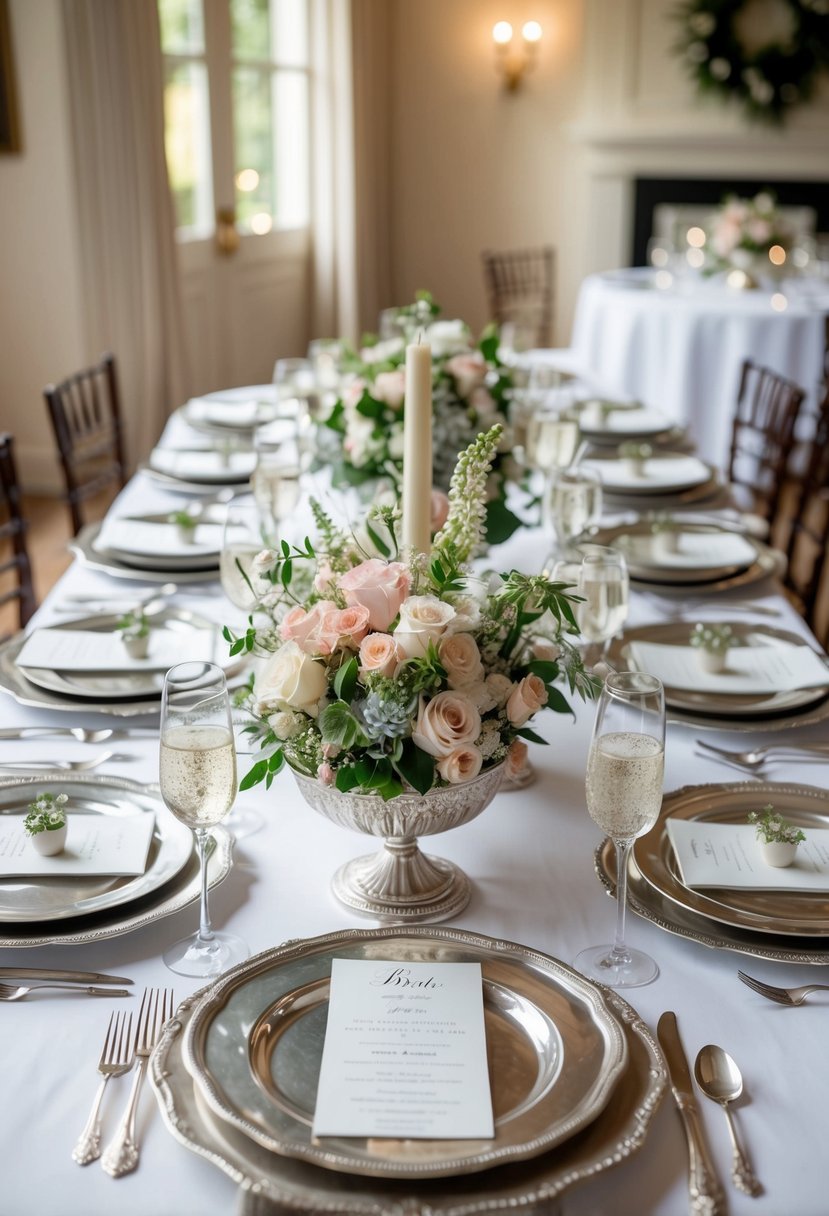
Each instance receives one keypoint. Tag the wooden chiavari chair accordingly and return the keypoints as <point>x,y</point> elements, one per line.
<point>13,537</point>
<point>520,289</point>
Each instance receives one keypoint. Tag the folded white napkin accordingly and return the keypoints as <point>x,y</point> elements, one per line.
<point>204,466</point>
<point>86,650</point>
<point>764,665</point>
<point>157,539</point>
<point>660,473</point>
<point>696,550</point>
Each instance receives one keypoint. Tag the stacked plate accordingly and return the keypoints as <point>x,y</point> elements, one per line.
<point>231,410</point>
<point>734,699</point>
<point>575,1079</point>
<point>666,479</point>
<point>611,422</point>
<point>151,568</point>
<point>156,542</point>
<point>678,555</point>
<point>74,911</point>
<point>193,469</point>
<point>777,925</point>
<point>124,690</point>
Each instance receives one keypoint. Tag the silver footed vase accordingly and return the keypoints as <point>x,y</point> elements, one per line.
<point>400,884</point>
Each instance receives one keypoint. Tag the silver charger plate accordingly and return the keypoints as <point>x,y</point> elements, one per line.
<point>178,892</point>
<point>654,572</point>
<point>255,1043</point>
<point>645,901</point>
<point>790,913</point>
<point>41,900</point>
<point>83,549</point>
<point>731,707</point>
<point>617,1133</point>
<point>116,685</point>
<point>765,566</point>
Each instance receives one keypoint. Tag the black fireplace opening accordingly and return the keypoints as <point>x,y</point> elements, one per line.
<point>650,192</point>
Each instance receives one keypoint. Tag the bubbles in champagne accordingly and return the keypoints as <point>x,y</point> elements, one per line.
<point>624,783</point>
<point>197,773</point>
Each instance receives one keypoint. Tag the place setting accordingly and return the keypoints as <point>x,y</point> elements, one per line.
<point>232,410</point>
<point>638,473</point>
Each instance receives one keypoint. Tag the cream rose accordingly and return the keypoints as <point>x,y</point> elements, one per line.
<point>423,619</point>
<point>516,762</point>
<point>462,764</point>
<point>286,724</point>
<point>468,372</point>
<point>378,653</point>
<point>467,615</point>
<point>390,387</point>
<point>291,680</point>
<point>379,586</point>
<point>447,338</point>
<point>447,722</point>
<point>461,658</point>
<point>500,687</point>
<point>528,696</point>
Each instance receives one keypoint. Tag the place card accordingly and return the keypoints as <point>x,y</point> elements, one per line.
<point>95,845</point>
<point>87,650</point>
<point>730,855</point>
<point>405,1053</point>
<point>764,665</point>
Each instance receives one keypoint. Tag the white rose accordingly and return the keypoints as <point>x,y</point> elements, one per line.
<point>390,387</point>
<point>382,352</point>
<point>447,338</point>
<point>461,658</point>
<point>500,687</point>
<point>263,563</point>
<point>447,722</point>
<point>285,724</point>
<point>467,616</point>
<point>423,619</point>
<point>291,680</point>
<point>396,443</point>
<point>462,764</point>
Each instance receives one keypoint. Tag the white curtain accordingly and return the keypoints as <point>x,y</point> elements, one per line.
<point>350,132</point>
<point>131,289</point>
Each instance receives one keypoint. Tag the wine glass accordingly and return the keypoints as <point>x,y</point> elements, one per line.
<point>624,794</point>
<point>275,479</point>
<point>245,534</point>
<point>605,589</point>
<point>197,774</point>
<point>572,504</point>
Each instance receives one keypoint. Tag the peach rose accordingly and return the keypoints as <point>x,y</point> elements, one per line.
<point>526,699</point>
<point>483,403</point>
<point>390,387</point>
<point>447,722</point>
<point>516,761</point>
<point>378,653</point>
<point>305,628</point>
<point>326,774</point>
<point>440,510</point>
<point>462,764</point>
<point>423,619</point>
<point>379,586</point>
<point>291,680</point>
<point>468,371</point>
<point>461,659</point>
<point>324,577</point>
<point>345,628</point>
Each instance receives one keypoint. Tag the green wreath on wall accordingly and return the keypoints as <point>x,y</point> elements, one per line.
<point>768,82</point>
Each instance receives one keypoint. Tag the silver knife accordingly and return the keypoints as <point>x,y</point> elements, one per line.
<point>706,1195</point>
<point>54,973</point>
<point>38,732</point>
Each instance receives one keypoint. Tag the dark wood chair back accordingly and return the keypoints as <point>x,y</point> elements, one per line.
<point>85,410</point>
<point>808,541</point>
<point>519,285</point>
<point>13,537</point>
<point>762,435</point>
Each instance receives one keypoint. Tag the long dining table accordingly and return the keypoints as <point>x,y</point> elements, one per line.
<point>530,858</point>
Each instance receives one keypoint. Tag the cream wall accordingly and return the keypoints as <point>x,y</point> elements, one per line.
<point>40,305</point>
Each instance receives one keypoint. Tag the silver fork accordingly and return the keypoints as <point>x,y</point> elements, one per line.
<point>756,757</point>
<point>16,992</point>
<point>783,996</point>
<point>116,1059</point>
<point>65,766</point>
<point>121,1155</point>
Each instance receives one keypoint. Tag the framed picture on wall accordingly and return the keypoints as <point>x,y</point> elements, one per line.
<point>9,121</point>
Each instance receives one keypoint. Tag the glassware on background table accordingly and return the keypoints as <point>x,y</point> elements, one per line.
<point>625,770</point>
<point>515,339</point>
<point>275,480</point>
<point>572,504</point>
<point>247,532</point>
<point>605,587</point>
<point>324,355</point>
<point>197,776</point>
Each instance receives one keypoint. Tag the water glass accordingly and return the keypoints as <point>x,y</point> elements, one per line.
<point>605,588</point>
<point>275,480</point>
<point>247,531</point>
<point>572,504</point>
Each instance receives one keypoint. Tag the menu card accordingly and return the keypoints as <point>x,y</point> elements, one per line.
<point>86,650</point>
<point>730,855</point>
<point>405,1053</point>
<point>95,844</point>
<point>764,665</point>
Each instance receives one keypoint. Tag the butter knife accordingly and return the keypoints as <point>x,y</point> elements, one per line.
<point>706,1195</point>
<point>54,973</point>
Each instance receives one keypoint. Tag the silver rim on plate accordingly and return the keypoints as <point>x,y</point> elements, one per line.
<point>82,548</point>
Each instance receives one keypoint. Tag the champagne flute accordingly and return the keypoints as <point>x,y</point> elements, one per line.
<point>625,768</point>
<point>605,587</point>
<point>275,479</point>
<point>197,774</point>
<point>245,535</point>
<point>572,504</point>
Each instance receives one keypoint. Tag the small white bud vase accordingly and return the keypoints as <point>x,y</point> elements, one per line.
<point>185,533</point>
<point>48,844</point>
<point>635,465</point>
<point>666,542</point>
<point>778,853</point>
<point>712,660</point>
<point>137,648</point>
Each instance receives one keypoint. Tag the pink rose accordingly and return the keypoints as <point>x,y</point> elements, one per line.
<point>483,403</point>
<point>462,764</point>
<point>390,387</point>
<point>526,699</point>
<point>447,722</point>
<point>516,761</point>
<point>440,510</point>
<point>468,371</point>
<point>379,586</point>
<point>305,628</point>
<point>352,395</point>
<point>461,659</point>
<point>324,577</point>
<point>378,653</point>
<point>344,628</point>
<point>326,774</point>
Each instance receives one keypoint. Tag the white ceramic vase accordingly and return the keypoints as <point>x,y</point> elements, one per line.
<point>48,844</point>
<point>778,853</point>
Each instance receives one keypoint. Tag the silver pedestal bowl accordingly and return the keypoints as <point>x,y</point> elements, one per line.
<point>400,884</point>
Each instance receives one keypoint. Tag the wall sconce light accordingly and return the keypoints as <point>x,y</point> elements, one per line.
<point>513,59</point>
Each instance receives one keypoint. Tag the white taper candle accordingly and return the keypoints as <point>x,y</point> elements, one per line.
<point>417,448</point>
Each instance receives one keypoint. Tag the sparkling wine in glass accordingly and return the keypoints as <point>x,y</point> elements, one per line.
<point>197,775</point>
<point>572,504</point>
<point>245,534</point>
<point>625,769</point>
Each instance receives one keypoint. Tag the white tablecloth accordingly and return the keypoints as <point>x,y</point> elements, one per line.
<point>530,858</point>
<point>680,350</point>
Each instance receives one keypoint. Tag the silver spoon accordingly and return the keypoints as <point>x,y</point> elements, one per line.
<point>66,766</point>
<point>720,1079</point>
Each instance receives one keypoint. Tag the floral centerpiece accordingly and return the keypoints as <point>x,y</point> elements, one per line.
<point>749,235</point>
<point>400,679</point>
<point>362,433</point>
